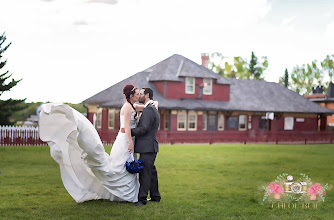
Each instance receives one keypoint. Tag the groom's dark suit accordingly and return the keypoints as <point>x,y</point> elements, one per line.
<point>147,145</point>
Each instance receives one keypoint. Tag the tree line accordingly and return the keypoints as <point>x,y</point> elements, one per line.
<point>13,110</point>
<point>302,80</point>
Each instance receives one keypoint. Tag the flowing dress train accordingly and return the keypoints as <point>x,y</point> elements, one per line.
<point>87,171</point>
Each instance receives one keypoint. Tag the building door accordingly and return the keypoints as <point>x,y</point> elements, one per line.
<point>212,122</point>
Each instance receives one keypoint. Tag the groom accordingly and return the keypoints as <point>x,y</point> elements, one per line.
<point>147,145</point>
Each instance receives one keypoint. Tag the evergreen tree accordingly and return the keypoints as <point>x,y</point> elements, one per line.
<point>286,78</point>
<point>9,106</point>
<point>256,68</point>
<point>252,65</point>
<point>239,68</point>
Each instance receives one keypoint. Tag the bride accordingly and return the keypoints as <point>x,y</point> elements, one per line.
<point>87,171</point>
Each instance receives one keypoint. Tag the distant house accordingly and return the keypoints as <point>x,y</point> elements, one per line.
<point>197,105</point>
<point>326,100</point>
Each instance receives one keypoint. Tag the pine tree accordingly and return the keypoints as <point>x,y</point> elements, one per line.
<point>9,106</point>
<point>252,65</point>
<point>256,68</point>
<point>286,78</point>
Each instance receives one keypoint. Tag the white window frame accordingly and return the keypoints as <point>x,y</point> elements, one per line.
<point>190,84</point>
<point>207,86</point>
<point>190,114</point>
<point>99,118</point>
<point>179,120</point>
<point>288,123</point>
<point>205,121</point>
<point>111,118</point>
<point>166,120</point>
<point>221,122</point>
<point>245,121</point>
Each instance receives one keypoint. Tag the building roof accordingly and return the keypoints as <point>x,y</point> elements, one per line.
<point>177,66</point>
<point>245,95</point>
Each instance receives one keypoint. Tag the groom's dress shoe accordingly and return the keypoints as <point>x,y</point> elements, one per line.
<point>140,203</point>
<point>154,200</point>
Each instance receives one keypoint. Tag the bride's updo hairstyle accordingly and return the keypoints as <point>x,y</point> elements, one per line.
<point>129,90</point>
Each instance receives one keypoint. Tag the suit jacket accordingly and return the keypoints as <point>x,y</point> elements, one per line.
<point>146,131</point>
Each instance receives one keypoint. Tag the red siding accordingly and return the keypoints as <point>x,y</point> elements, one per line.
<point>173,122</point>
<point>176,90</point>
<point>309,124</point>
<point>90,116</point>
<point>199,122</point>
<point>160,86</point>
<point>303,132</point>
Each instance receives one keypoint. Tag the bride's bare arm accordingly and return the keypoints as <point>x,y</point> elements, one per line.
<point>138,107</point>
<point>127,118</point>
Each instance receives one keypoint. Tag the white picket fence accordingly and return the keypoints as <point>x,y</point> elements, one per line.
<point>19,135</point>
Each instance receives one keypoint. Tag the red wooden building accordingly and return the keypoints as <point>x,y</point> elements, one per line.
<point>197,105</point>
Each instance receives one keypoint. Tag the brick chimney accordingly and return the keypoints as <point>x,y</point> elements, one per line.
<point>331,90</point>
<point>205,60</point>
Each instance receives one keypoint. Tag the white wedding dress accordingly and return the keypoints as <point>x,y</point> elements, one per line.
<point>87,171</point>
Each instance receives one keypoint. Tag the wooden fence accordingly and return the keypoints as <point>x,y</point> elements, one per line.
<point>28,135</point>
<point>19,136</point>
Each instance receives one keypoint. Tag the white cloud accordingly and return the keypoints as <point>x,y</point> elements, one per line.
<point>112,2</point>
<point>70,50</point>
<point>288,21</point>
<point>330,29</point>
<point>287,24</point>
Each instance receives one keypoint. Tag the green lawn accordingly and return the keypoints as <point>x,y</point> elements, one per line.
<point>196,182</point>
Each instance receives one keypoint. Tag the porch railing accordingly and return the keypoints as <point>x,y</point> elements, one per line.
<point>247,137</point>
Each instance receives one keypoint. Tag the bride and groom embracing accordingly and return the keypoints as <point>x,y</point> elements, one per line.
<point>87,171</point>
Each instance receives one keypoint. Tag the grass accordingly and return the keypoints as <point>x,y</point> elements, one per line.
<point>196,182</point>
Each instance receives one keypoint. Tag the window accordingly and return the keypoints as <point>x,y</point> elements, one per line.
<point>249,122</point>
<point>181,120</point>
<point>212,121</point>
<point>242,122</point>
<point>288,123</point>
<point>232,122</point>
<point>205,121</point>
<point>192,121</point>
<point>263,123</point>
<point>190,85</point>
<point>207,90</point>
<point>111,119</point>
<point>99,118</point>
<point>166,121</point>
<point>221,121</point>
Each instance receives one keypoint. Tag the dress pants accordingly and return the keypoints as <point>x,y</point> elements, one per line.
<point>148,178</point>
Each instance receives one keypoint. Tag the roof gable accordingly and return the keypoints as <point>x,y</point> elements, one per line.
<point>177,66</point>
<point>245,95</point>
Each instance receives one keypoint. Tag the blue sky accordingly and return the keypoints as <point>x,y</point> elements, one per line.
<point>69,50</point>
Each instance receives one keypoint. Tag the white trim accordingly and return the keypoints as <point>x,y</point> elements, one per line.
<point>207,85</point>
<point>192,113</point>
<point>288,123</point>
<point>205,121</point>
<point>245,122</point>
<point>180,67</point>
<point>221,121</point>
<point>166,120</point>
<point>188,84</point>
<point>99,118</point>
<point>183,120</point>
<point>111,112</point>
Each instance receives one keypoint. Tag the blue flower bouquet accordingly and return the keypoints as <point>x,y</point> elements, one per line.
<point>135,166</point>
